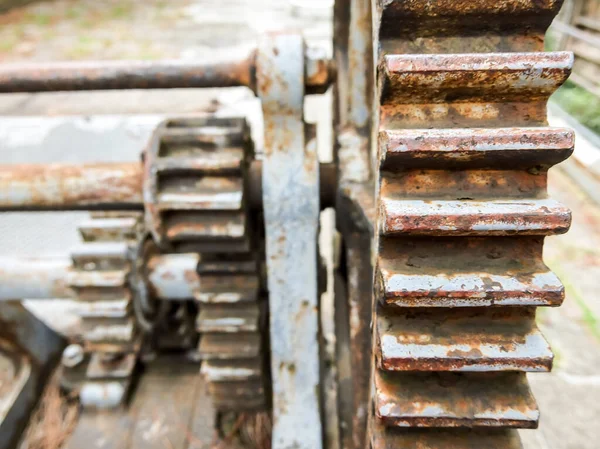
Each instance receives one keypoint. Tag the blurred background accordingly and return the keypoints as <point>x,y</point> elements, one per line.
<point>113,126</point>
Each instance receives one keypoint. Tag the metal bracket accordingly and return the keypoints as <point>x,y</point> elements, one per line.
<point>291,207</point>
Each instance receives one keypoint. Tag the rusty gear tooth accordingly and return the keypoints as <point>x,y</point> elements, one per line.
<point>186,227</point>
<point>485,78</point>
<point>440,26</point>
<point>461,340</point>
<point>425,272</point>
<point>109,229</point>
<point>502,148</point>
<point>454,400</point>
<point>473,218</point>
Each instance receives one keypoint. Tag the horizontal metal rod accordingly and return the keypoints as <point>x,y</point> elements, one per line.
<point>34,278</point>
<point>174,276</point>
<point>111,75</point>
<point>106,186</point>
<point>112,186</point>
<point>170,277</point>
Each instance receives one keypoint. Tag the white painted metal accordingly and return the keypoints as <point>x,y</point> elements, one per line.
<point>291,208</point>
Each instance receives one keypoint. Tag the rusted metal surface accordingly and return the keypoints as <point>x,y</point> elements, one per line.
<point>228,371</point>
<point>291,209</point>
<point>174,276</point>
<point>319,70</point>
<point>108,228</point>
<point>462,212</point>
<point>499,339</point>
<point>489,90</point>
<point>454,400</point>
<point>68,186</point>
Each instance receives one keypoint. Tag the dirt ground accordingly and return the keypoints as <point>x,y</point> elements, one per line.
<point>569,397</point>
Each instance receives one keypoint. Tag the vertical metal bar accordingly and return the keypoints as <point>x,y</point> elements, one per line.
<point>341,31</point>
<point>291,206</point>
<point>353,207</point>
<point>360,56</point>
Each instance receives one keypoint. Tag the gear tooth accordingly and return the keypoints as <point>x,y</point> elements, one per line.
<point>231,371</point>
<point>505,148</point>
<point>496,271</point>
<point>462,211</point>
<point>110,228</point>
<point>454,400</point>
<point>222,346</point>
<point>229,318</point>
<point>461,340</point>
<point>472,218</point>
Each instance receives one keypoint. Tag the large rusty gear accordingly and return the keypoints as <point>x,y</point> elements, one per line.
<point>462,212</point>
<point>197,202</point>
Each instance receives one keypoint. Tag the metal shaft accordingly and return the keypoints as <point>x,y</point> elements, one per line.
<point>111,75</point>
<point>34,278</point>
<point>170,277</point>
<point>114,186</point>
<point>107,186</point>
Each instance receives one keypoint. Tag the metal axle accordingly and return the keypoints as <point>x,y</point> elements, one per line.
<point>106,186</point>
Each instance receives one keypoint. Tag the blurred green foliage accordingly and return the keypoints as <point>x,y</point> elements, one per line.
<point>581,104</point>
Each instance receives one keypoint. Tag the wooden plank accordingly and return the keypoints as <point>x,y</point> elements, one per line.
<point>165,401</point>
<point>203,420</point>
<point>102,430</point>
